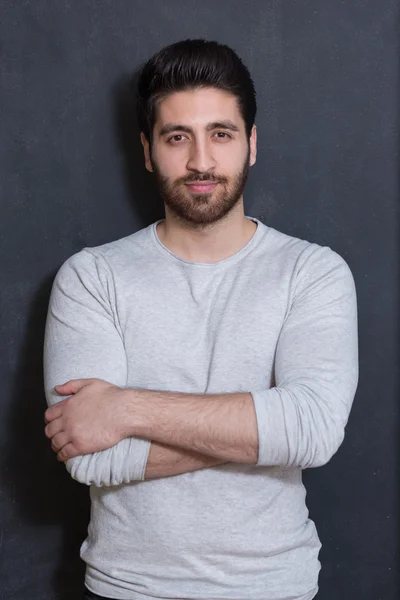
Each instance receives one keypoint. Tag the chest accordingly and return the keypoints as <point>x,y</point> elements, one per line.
<point>209,334</point>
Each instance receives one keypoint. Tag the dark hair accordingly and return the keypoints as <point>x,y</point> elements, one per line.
<point>191,64</point>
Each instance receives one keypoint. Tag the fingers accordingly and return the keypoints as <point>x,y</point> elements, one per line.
<point>59,441</point>
<point>67,452</point>
<point>66,389</point>
<point>54,412</point>
<point>73,386</point>
<point>53,428</point>
<point>58,437</point>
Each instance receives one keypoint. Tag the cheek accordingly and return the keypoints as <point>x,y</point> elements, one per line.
<point>171,164</point>
<point>229,166</point>
<point>230,157</point>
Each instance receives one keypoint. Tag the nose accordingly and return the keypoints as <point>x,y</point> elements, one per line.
<point>200,158</point>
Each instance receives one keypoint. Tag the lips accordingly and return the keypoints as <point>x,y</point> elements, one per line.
<point>201,187</point>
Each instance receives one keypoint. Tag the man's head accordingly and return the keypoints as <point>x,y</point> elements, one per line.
<point>196,108</point>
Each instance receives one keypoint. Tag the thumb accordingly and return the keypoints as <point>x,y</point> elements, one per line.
<point>71,387</point>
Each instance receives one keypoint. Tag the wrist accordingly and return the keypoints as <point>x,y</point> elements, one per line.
<point>134,412</point>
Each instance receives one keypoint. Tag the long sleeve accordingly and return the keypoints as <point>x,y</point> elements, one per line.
<point>83,340</point>
<point>301,420</point>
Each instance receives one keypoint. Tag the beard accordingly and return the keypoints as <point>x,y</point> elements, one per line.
<point>202,208</point>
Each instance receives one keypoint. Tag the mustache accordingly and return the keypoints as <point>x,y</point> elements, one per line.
<point>203,177</point>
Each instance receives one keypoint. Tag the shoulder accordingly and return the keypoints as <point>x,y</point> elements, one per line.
<point>306,263</point>
<point>304,254</point>
<point>106,259</point>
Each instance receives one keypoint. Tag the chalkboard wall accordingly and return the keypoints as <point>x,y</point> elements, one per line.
<point>72,175</point>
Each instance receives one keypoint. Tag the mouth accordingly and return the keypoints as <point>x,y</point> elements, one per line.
<point>201,187</point>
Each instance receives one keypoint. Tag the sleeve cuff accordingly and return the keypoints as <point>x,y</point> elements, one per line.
<point>272,442</point>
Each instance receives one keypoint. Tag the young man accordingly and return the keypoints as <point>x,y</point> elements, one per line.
<point>200,363</point>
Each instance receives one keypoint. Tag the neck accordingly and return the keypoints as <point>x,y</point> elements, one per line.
<point>206,243</point>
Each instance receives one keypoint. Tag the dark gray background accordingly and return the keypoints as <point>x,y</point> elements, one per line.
<point>72,175</point>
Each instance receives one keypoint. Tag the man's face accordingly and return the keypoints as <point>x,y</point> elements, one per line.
<point>200,154</point>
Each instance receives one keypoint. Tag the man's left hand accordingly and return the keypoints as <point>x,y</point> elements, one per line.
<point>93,418</point>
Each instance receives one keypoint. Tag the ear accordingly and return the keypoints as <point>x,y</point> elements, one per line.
<point>253,145</point>
<point>146,148</point>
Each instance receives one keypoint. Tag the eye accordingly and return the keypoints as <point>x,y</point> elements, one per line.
<point>174,140</point>
<point>222,135</point>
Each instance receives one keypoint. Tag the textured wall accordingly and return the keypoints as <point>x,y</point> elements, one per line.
<point>72,175</point>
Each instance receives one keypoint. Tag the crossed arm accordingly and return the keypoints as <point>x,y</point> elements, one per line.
<point>188,431</point>
<point>300,422</point>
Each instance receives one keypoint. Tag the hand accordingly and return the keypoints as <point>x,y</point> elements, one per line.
<point>90,420</point>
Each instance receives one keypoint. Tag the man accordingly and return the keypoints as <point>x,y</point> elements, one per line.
<point>200,363</point>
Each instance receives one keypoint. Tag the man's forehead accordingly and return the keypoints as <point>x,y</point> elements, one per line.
<point>202,105</point>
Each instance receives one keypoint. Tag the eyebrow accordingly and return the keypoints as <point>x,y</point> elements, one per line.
<point>170,127</point>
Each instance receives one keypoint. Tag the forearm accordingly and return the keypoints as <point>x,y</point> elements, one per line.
<point>222,426</point>
<point>165,461</point>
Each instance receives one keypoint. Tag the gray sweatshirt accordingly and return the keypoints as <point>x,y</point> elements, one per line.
<point>277,319</point>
